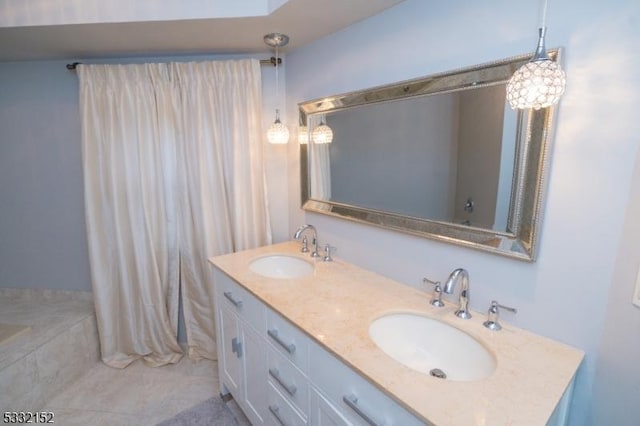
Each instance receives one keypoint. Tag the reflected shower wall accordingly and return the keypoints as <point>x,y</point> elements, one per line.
<point>410,152</point>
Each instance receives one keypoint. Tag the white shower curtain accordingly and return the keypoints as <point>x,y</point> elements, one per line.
<point>222,197</point>
<point>173,172</point>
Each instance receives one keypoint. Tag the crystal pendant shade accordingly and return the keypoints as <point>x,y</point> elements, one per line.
<point>537,84</point>
<point>322,134</point>
<point>278,133</point>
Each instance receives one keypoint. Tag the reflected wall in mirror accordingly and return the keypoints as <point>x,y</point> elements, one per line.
<point>442,157</point>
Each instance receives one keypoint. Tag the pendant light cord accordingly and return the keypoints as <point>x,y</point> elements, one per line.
<point>277,79</point>
<point>543,23</point>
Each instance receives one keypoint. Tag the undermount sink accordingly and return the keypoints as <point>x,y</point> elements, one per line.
<point>281,266</point>
<point>432,347</point>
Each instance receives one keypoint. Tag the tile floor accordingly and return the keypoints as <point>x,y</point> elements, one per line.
<point>93,394</point>
<point>137,395</point>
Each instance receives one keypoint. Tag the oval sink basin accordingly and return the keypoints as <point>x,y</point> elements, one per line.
<point>281,266</point>
<point>432,347</point>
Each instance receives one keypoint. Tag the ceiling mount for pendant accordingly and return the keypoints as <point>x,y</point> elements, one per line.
<point>276,40</point>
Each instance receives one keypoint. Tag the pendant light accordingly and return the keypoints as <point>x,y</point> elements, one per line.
<point>323,133</point>
<point>540,82</point>
<point>278,133</point>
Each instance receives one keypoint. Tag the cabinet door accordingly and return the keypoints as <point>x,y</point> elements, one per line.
<point>231,348</point>
<point>255,375</point>
<point>324,413</point>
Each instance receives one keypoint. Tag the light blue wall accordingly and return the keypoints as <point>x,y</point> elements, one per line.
<point>617,381</point>
<point>563,294</point>
<point>42,229</point>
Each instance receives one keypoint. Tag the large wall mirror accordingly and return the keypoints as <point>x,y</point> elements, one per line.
<point>442,157</point>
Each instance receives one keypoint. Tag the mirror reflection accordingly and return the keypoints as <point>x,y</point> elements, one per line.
<point>445,157</point>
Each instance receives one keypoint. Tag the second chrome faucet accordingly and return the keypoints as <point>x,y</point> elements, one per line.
<point>314,238</point>
<point>461,275</point>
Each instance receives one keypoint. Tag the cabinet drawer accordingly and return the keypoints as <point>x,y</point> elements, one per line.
<point>323,412</point>
<point>288,340</point>
<point>280,411</point>
<point>355,398</point>
<point>243,303</point>
<point>289,380</point>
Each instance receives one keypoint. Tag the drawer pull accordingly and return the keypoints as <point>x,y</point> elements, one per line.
<point>291,389</point>
<point>276,413</point>
<point>352,402</point>
<point>236,347</point>
<point>229,296</point>
<point>289,347</point>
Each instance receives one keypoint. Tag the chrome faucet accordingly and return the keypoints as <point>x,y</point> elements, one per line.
<point>459,275</point>
<point>314,238</point>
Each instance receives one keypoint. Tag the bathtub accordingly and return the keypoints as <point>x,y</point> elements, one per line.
<point>48,339</point>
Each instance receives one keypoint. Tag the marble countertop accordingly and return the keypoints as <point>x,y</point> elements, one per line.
<point>336,304</point>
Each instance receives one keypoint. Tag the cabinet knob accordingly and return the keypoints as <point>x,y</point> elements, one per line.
<point>236,347</point>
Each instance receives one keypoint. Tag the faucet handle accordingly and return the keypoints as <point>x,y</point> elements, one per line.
<point>493,314</point>
<point>327,252</point>
<point>436,300</point>
<point>305,245</point>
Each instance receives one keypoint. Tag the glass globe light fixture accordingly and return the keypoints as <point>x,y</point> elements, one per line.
<point>537,84</point>
<point>278,133</point>
<point>322,134</point>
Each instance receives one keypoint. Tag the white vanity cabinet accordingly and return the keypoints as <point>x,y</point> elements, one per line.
<point>242,364</point>
<point>280,376</point>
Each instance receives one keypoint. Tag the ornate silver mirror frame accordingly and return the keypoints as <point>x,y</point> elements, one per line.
<point>534,134</point>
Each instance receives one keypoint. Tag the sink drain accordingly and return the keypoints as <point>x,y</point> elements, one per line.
<point>436,372</point>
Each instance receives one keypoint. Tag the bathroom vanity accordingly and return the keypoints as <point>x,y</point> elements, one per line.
<point>294,348</point>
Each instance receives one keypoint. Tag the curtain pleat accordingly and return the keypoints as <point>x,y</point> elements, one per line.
<point>223,201</point>
<point>172,160</point>
<point>133,255</point>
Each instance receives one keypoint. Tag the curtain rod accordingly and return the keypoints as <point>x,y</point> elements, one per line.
<point>271,61</point>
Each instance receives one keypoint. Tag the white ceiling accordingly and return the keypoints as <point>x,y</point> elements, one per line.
<point>302,20</point>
